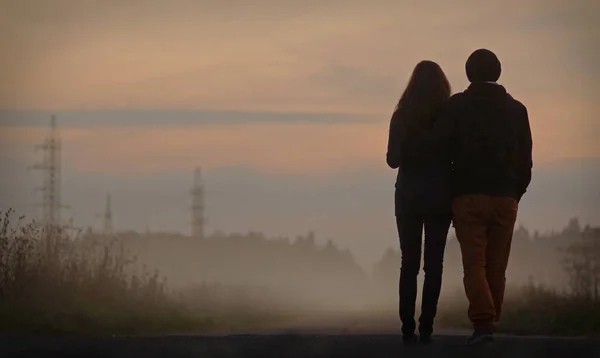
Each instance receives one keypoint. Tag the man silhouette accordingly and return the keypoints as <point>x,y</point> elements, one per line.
<point>490,142</point>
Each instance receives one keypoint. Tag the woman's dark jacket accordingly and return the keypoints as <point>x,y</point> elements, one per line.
<point>424,171</point>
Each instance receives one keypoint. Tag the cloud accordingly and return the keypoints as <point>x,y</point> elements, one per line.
<point>314,148</point>
<point>165,117</point>
<point>352,82</point>
<point>207,54</point>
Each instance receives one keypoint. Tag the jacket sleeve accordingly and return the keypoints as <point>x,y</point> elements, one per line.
<point>525,153</point>
<point>393,149</point>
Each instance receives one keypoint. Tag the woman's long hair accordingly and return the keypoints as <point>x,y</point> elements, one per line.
<point>427,90</point>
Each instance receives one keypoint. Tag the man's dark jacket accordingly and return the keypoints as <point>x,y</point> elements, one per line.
<point>488,136</point>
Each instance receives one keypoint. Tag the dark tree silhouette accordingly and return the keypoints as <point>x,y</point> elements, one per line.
<point>581,260</point>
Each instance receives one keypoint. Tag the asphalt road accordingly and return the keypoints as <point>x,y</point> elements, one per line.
<point>284,345</point>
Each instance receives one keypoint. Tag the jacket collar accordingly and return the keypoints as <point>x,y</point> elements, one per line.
<point>486,89</point>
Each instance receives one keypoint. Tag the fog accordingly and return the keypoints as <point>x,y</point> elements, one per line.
<point>316,284</point>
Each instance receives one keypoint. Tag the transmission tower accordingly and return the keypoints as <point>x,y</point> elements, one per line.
<point>198,219</point>
<point>108,218</point>
<point>51,204</point>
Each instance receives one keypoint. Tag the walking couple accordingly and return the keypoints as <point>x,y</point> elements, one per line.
<point>463,159</point>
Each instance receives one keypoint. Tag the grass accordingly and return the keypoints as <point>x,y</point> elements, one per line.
<point>543,311</point>
<point>534,310</point>
<point>51,281</point>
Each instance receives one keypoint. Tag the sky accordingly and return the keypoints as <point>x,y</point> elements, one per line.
<point>284,104</point>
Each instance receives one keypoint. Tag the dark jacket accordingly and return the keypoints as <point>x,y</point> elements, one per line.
<point>489,139</point>
<point>423,180</point>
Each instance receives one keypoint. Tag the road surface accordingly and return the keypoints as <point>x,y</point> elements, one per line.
<point>287,345</point>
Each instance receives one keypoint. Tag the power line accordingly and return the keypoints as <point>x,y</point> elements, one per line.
<point>198,219</point>
<point>108,218</point>
<point>51,166</point>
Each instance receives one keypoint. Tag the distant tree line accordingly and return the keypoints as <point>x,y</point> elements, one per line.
<point>581,260</point>
<point>298,270</point>
<point>302,269</point>
<point>567,260</point>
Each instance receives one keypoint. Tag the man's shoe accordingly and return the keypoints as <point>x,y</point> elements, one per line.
<point>410,338</point>
<point>480,337</point>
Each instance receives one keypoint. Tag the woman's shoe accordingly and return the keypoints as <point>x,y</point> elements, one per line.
<point>410,338</point>
<point>425,338</point>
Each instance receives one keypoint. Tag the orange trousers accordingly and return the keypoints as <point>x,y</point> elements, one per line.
<point>484,227</point>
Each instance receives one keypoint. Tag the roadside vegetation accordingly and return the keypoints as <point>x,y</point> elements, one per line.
<point>533,310</point>
<point>52,281</point>
<point>538,309</point>
<point>59,281</point>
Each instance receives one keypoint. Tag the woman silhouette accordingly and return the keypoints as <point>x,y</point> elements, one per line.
<point>423,194</point>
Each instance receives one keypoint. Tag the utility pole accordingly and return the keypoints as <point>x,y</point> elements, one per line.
<point>198,219</point>
<point>108,218</point>
<point>51,203</point>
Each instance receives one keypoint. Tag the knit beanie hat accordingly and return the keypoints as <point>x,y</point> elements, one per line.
<point>483,65</point>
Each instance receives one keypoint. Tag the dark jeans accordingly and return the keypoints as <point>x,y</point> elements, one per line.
<point>410,230</point>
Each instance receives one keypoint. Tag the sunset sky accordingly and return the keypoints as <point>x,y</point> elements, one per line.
<point>278,101</point>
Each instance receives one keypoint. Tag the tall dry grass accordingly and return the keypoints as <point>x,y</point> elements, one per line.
<point>533,309</point>
<point>51,280</point>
